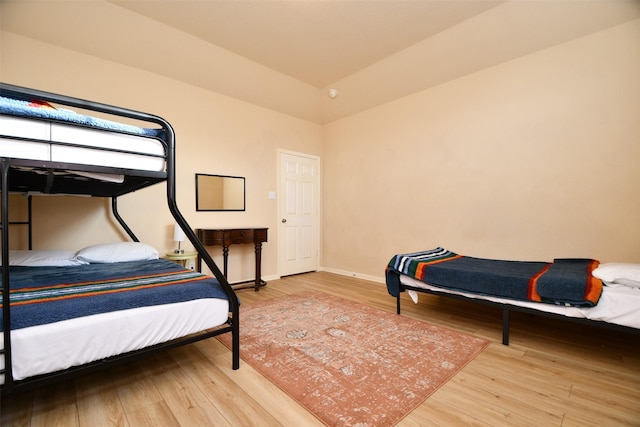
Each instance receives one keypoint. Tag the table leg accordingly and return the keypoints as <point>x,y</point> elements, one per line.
<point>258,266</point>
<point>225,255</point>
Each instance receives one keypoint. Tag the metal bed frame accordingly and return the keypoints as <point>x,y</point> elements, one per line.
<point>508,308</point>
<point>18,180</point>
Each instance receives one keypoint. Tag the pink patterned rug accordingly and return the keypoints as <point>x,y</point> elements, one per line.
<point>347,363</point>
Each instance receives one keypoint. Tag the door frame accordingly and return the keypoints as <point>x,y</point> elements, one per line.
<point>281,193</point>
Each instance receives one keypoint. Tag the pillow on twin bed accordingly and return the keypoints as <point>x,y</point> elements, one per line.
<point>40,258</point>
<point>117,252</point>
<point>619,273</point>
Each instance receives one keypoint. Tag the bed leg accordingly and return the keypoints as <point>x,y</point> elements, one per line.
<point>235,342</point>
<point>398,303</point>
<point>505,326</point>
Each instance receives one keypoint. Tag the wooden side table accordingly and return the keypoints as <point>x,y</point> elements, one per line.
<point>183,258</point>
<point>229,236</point>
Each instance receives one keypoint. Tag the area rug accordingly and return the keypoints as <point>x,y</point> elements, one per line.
<point>349,364</point>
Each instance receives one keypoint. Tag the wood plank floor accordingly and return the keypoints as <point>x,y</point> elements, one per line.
<point>553,374</point>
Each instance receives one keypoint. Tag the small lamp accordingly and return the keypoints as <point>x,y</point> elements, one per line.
<point>178,236</point>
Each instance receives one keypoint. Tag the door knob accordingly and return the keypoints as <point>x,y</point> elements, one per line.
<point>284,220</point>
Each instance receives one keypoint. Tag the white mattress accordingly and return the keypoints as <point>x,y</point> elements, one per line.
<point>48,348</point>
<point>619,304</point>
<point>139,147</point>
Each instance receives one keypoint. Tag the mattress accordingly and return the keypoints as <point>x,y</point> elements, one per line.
<point>618,304</point>
<point>82,340</point>
<point>57,142</point>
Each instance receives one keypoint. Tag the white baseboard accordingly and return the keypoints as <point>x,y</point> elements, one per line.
<point>335,271</point>
<point>269,278</point>
<point>353,274</point>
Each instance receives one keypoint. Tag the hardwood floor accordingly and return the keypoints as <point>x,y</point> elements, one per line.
<point>552,374</point>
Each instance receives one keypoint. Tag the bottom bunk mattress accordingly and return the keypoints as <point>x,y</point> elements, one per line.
<point>68,316</point>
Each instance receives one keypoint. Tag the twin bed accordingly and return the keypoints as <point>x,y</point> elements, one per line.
<point>576,289</point>
<point>72,311</point>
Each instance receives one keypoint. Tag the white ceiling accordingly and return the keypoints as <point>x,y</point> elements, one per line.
<point>285,54</point>
<point>317,42</point>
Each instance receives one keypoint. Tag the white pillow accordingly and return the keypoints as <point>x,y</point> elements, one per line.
<point>117,252</point>
<point>619,273</point>
<point>39,258</point>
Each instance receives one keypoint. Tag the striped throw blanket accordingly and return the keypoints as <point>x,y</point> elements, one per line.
<point>565,281</point>
<point>41,295</point>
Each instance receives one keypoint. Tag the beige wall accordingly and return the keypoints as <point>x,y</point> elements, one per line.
<point>215,134</point>
<point>533,159</point>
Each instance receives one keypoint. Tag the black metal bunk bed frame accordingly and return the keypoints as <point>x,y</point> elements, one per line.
<point>14,180</point>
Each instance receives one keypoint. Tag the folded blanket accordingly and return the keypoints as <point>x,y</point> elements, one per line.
<point>570,281</point>
<point>566,282</point>
<point>43,110</point>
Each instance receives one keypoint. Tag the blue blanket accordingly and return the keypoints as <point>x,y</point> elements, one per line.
<point>41,295</point>
<point>43,110</point>
<point>565,281</point>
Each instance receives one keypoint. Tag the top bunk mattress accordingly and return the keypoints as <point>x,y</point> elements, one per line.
<point>37,130</point>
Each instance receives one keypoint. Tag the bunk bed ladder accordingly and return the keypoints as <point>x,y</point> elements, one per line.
<point>28,222</point>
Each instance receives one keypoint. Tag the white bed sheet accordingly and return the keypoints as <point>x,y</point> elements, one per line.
<point>48,348</point>
<point>618,304</point>
<point>90,138</point>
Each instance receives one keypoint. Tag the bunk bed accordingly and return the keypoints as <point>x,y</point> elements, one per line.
<point>55,144</point>
<point>579,290</point>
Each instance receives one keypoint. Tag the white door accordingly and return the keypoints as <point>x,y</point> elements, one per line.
<point>299,219</point>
